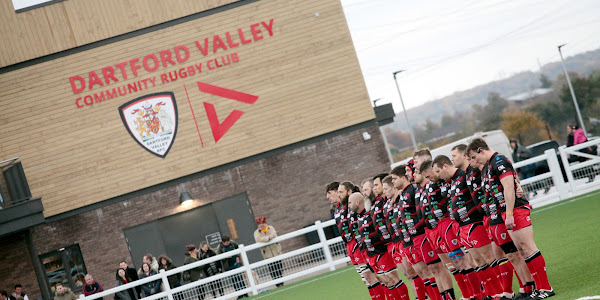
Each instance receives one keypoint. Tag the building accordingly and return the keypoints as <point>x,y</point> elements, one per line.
<point>115,110</point>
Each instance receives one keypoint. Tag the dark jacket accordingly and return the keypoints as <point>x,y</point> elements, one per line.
<point>132,274</point>
<point>93,288</point>
<point>521,153</point>
<point>212,268</point>
<point>175,279</point>
<point>128,294</point>
<point>229,263</point>
<point>195,273</point>
<point>152,287</point>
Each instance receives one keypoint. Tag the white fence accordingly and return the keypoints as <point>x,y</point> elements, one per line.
<point>547,186</point>
<point>322,256</point>
<point>561,175</point>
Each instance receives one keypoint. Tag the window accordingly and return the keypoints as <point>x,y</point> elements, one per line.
<point>65,266</point>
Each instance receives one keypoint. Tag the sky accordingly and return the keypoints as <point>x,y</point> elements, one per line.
<point>450,46</point>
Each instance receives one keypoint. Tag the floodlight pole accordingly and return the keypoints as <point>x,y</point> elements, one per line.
<point>412,136</point>
<point>581,124</point>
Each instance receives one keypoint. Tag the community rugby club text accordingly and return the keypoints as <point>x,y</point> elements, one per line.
<point>178,55</point>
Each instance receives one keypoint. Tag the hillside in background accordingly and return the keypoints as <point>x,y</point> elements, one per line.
<point>583,64</point>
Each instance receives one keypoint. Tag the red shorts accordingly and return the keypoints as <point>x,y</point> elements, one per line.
<point>499,234</point>
<point>395,252</point>
<point>356,257</point>
<point>381,263</point>
<point>486,224</point>
<point>448,237</point>
<point>522,215</point>
<point>405,252</point>
<point>422,250</point>
<point>434,239</point>
<point>474,235</point>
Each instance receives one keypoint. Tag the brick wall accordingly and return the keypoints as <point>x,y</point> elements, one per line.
<point>285,183</point>
<point>16,266</point>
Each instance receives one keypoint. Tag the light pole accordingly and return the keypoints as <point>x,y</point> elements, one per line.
<point>412,136</point>
<point>572,91</point>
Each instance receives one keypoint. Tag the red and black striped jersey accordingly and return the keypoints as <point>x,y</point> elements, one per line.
<point>373,229</point>
<point>355,220</point>
<point>408,212</point>
<point>494,170</point>
<point>477,192</point>
<point>343,222</point>
<point>463,208</point>
<point>430,197</point>
<point>393,228</point>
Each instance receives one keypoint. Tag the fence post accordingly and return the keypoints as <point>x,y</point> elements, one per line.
<point>559,182</point>
<point>565,160</point>
<point>165,282</point>
<point>326,250</point>
<point>246,265</point>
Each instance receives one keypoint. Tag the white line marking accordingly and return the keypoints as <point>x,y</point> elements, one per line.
<point>303,283</point>
<point>566,202</point>
<point>588,298</point>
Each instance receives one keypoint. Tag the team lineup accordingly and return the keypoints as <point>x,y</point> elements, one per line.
<point>463,216</point>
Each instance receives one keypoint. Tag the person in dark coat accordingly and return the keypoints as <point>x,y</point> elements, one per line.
<point>131,274</point>
<point>128,294</point>
<point>211,269</point>
<point>165,263</point>
<point>191,256</point>
<point>152,287</point>
<point>91,286</point>
<point>231,263</point>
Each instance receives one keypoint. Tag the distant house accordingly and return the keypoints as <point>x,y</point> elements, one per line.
<point>529,95</point>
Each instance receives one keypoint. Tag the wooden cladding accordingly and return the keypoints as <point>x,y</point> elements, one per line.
<point>63,25</point>
<point>303,70</point>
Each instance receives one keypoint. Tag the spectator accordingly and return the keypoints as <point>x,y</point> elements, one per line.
<point>129,294</point>
<point>232,263</point>
<point>91,286</point>
<point>191,256</point>
<point>152,287</point>
<point>212,268</point>
<point>576,137</point>
<point>151,261</point>
<point>521,153</point>
<point>18,293</point>
<point>63,293</point>
<point>3,295</point>
<point>263,234</point>
<point>165,263</point>
<point>131,274</point>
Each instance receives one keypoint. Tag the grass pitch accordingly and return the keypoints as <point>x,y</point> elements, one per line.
<point>567,233</point>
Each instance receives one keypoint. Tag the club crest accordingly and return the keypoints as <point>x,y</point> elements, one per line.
<point>151,121</point>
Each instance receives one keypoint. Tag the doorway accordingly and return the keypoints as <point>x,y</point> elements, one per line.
<point>230,216</point>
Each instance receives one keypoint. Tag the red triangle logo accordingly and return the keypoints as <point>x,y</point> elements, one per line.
<point>220,128</point>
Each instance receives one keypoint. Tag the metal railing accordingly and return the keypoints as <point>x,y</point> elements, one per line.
<point>249,278</point>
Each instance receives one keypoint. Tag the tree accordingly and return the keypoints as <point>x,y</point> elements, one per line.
<point>545,82</point>
<point>490,116</point>
<point>524,126</point>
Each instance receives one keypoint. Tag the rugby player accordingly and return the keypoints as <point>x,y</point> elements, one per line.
<point>500,184</point>
<point>367,190</point>
<point>445,234</point>
<point>507,257</point>
<point>375,236</point>
<point>371,239</point>
<point>416,246</point>
<point>397,247</point>
<point>343,218</point>
<point>472,233</point>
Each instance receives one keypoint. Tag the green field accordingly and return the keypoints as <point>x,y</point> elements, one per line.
<point>567,233</point>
